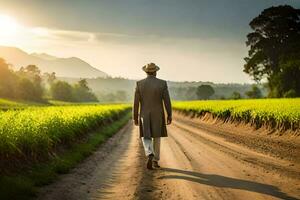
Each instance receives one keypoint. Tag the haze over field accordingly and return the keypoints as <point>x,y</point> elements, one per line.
<point>190,40</point>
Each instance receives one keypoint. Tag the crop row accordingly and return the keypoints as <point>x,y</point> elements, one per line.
<point>280,114</point>
<point>36,131</point>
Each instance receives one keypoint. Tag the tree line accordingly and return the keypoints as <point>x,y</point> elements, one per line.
<point>274,54</point>
<point>204,92</point>
<point>28,83</point>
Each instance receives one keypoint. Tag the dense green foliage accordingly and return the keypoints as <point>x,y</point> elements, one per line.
<point>276,113</point>
<point>204,91</point>
<point>236,95</point>
<point>254,93</point>
<point>79,92</point>
<point>24,84</point>
<point>35,131</point>
<point>61,90</point>
<point>120,89</point>
<point>28,83</point>
<point>23,184</point>
<point>275,50</point>
<point>82,92</point>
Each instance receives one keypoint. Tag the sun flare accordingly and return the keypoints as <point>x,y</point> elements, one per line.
<point>8,26</point>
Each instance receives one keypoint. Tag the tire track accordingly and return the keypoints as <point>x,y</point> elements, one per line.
<point>195,164</point>
<point>243,154</point>
<point>112,172</point>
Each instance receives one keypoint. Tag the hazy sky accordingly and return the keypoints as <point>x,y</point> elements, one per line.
<point>201,40</point>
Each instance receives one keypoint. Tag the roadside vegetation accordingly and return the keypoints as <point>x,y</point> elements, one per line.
<point>36,131</point>
<point>281,114</point>
<point>38,143</point>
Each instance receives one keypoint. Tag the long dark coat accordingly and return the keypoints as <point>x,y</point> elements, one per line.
<point>151,96</point>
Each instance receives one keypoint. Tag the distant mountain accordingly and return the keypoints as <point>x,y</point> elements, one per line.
<point>44,56</point>
<point>63,67</point>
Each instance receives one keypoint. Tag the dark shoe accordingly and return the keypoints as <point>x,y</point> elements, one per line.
<point>149,163</point>
<point>155,164</point>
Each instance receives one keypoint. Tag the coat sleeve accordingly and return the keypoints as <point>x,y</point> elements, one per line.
<point>136,103</point>
<point>167,101</point>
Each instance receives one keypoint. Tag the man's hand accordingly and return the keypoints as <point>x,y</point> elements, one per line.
<point>169,120</point>
<point>136,122</point>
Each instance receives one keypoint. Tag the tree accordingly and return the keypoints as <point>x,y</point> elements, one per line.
<point>83,93</point>
<point>290,94</point>
<point>26,90</point>
<point>33,74</point>
<point>236,95</point>
<point>255,93</point>
<point>204,91</point>
<point>50,77</point>
<point>83,84</point>
<point>62,90</point>
<point>7,80</point>
<point>275,38</point>
<point>288,78</point>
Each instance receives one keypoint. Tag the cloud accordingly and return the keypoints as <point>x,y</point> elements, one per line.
<point>79,36</point>
<point>55,34</point>
<point>180,58</point>
<point>146,40</point>
<point>43,33</point>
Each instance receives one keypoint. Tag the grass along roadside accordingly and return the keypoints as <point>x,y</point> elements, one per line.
<point>36,132</point>
<point>279,114</point>
<point>24,185</point>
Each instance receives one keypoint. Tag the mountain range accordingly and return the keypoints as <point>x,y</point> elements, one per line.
<point>63,67</point>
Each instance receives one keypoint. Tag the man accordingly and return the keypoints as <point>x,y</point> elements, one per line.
<point>150,99</point>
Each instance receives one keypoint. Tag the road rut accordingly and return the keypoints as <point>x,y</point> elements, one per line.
<point>195,164</point>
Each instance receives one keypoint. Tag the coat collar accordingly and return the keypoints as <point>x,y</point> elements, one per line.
<point>151,76</point>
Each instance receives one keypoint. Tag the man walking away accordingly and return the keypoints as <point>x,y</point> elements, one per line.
<point>150,99</point>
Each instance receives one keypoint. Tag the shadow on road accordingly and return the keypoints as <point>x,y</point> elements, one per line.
<point>226,182</point>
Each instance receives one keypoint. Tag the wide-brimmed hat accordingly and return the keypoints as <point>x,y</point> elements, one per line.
<point>151,67</point>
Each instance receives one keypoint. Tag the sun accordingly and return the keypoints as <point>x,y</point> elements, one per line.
<point>8,26</point>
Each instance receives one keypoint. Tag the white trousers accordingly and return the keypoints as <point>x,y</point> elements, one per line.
<point>152,146</point>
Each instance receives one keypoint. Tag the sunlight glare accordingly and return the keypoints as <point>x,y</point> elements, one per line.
<point>8,26</point>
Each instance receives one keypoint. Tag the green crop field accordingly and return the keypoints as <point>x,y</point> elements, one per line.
<point>281,114</point>
<point>36,131</point>
<point>8,104</point>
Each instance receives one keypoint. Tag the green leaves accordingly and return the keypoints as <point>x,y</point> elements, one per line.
<point>35,131</point>
<point>275,36</point>
<point>275,113</point>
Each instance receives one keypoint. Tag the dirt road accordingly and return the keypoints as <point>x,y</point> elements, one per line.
<point>196,163</point>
